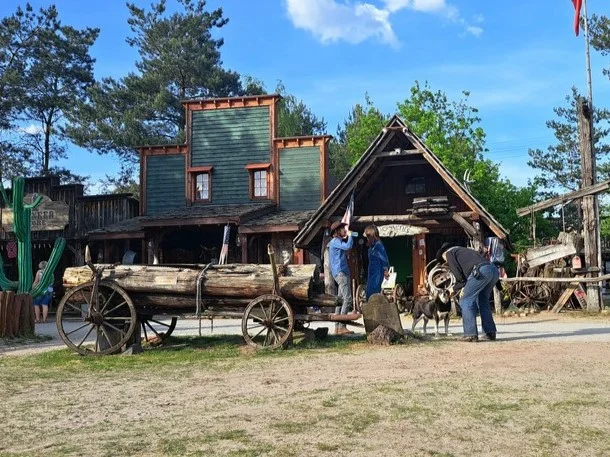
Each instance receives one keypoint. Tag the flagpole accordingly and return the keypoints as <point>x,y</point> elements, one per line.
<point>588,55</point>
<point>590,99</point>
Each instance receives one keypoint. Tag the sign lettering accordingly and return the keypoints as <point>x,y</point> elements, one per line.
<point>393,230</point>
<point>49,215</point>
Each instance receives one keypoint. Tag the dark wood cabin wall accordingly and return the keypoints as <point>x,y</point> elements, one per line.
<point>388,195</point>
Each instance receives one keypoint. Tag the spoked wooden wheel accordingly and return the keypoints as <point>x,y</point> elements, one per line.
<point>360,297</point>
<point>156,331</point>
<point>267,322</point>
<point>400,297</point>
<point>99,326</point>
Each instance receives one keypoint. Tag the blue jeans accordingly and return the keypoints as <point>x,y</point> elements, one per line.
<point>476,298</point>
<point>345,293</point>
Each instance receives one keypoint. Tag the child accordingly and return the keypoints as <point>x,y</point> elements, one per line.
<point>42,302</point>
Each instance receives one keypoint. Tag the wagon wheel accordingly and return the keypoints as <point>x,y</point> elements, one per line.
<point>531,295</point>
<point>267,322</point>
<point>154,331</point>
<point>360,297</point>
<point>400,297</point>
<point>103,326</point>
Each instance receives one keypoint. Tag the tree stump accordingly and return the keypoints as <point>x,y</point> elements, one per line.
<point>384,336</point>
<point>16,315</point>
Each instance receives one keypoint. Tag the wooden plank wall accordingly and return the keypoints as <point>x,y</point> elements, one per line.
<point>86,213</point>
<point>228,140</point>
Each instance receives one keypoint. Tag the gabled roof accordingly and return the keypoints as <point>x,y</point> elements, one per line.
<point>395,127</point>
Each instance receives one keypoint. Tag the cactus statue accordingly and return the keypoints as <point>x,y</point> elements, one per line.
<point>22,225</point>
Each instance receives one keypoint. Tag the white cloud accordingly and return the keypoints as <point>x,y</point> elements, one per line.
<point>425,6</point>
<point>32,129</point>
<point>354,22</point>
<point>331,21</point>
<point>474,30</point>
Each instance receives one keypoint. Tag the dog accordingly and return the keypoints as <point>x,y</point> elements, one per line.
<point>436,306</point>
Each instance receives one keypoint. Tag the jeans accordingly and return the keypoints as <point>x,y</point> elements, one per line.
<point>345,293</point>
<point>476,297</point>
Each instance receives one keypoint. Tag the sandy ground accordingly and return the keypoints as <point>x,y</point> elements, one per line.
<point>539,391</point>
<point>490,399</point>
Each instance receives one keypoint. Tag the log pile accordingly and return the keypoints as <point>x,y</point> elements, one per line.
<point>424,206</point>
<point>222,286</point>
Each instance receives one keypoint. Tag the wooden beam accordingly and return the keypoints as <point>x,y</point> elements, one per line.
<point>191,221</point>
<point>590,190</point>
<point>404,218</point>
<point>468,228</point>
<point>115,236</point>
<point>398,153</point>
<point>268,228</point>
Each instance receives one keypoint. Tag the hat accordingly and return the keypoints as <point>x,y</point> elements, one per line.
<point>42,265</point>
<point>336,226</point>
<point>444,248</point>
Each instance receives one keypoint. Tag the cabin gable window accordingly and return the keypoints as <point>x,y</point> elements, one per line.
<point>415,186</point>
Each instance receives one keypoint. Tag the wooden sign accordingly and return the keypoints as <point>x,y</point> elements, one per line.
<point>49,215</point>
<point>393,230</point>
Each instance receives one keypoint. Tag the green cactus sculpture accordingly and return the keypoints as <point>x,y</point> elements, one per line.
<point>22,225</point>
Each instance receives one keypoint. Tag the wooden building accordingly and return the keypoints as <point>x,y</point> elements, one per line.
<point>403,188</point>
<point>232,170</point>
<point>65,212</point>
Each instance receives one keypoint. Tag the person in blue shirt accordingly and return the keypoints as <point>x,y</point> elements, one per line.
<point>379,264</point>
<point>338,248</point>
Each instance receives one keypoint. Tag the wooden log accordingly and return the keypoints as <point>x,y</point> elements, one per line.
<point>238,281</point>
<point>15,315</point>
<point>26,317</point>
<point>3,305</point>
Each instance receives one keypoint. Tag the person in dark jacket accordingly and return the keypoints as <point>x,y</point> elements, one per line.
<point>378,261</point>
<point>477,276</point>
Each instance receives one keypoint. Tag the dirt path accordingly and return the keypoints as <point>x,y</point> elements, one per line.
<point>444,399</point>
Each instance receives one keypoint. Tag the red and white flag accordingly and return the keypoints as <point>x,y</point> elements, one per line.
<point>577,6</point>
<point>349,212</point>
<point>224,251</point>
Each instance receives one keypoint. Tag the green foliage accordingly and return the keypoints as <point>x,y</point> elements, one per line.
<point>179,58</point>
<point>22,226</point>
<point>358,131</point>
<point>45,68</point>
<point>295,118</point>
<point>559,164</point>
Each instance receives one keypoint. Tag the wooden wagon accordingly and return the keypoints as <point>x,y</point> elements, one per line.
<point>108,307</point>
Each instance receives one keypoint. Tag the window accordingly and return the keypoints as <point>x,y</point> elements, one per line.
<point>259,180</point>
<point>260,184</point>
<point>415,186</point>
<point>202,186</point>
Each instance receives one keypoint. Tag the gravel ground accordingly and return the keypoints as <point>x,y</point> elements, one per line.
<point>544,327</point>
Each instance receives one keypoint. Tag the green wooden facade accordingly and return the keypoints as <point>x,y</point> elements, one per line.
<point>300,182</point>
<point>165,181</point>
<point>228,140</point>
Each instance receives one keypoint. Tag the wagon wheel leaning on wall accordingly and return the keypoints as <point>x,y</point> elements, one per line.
<point>96,324</point>
<point>268,322</point>
<point>360,297</point>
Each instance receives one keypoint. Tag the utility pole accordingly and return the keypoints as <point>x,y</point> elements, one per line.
<point>589,203</point>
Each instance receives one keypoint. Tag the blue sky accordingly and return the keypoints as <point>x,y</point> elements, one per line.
<point>518,59</point>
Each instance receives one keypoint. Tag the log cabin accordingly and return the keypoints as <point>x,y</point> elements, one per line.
<point>402,187</point>
<point>232,170</point>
